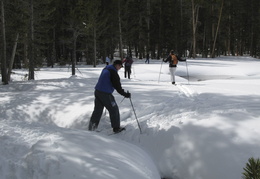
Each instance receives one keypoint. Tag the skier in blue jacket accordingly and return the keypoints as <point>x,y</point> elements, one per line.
<point>107,82</point>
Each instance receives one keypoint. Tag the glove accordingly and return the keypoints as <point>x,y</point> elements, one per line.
<point>127,95</point>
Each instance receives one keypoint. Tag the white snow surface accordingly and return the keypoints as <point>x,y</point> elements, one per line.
<point>205,127</point>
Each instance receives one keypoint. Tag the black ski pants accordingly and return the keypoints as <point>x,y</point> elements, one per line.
<point>127,71</point>
<point>106,100</point>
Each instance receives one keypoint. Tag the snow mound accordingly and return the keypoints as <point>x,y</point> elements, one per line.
<point>40,151</point>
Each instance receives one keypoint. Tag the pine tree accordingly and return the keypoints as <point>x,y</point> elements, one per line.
<point>252,169</point>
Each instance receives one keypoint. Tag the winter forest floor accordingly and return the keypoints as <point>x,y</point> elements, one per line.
<point>205,127</point>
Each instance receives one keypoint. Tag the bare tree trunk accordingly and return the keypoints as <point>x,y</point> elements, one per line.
<point>148,25</point>
<point>53,57</point>
<point>120,31</point>
<point>31,44</point>
<point>204,44</point>
<point>12,57</point>
<point>181,26</point>
<point>253,34</point>
<point>140,39</point>
<point>25,51</point>
<point>229,36</point>
<point>3,63</point>
<point>159,50</point>
<point>216,35</point>
<point>95,46</point>
<point>252,44</point>
<point>195,12</point>
<point>73,62</point>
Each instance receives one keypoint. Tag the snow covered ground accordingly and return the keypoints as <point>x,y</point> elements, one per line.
<point>206,127</point>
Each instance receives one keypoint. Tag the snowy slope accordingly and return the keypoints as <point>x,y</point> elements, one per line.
<point>33,150</point>
<point>205,127</point>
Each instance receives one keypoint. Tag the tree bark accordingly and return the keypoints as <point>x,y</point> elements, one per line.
<point>73,62</point>
<point>120,31</point>
<point>3,63</point>
<point>216,35</point>
<point>148,25</point>
<point>195,12</point>
<point>159,48</point>
<point>181,29</point>
<point>31,44</point>
<point>12,57</point>
<point>53,57</point>
<point>95,45</point>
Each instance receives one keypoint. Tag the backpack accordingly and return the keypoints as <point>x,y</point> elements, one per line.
<point>173,61</point>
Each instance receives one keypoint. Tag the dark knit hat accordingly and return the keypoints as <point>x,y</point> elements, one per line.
<point>117,62</point>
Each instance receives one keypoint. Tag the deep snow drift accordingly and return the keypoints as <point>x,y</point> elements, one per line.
<point>206,127</point>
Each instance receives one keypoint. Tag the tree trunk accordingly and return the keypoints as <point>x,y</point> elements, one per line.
<point>95,46</point>
<point>3,63</point>
<point>159,48</point>
<point>73,62</point>
<point>195,12</point>
<point>12,57</point>
<point>252,43</point>
<point>181,28</point>
<point>120,31</point>
<point>53,57</point>
<point>216,35</point>
<point>31,44</point>
<point>140,39</point>
<point>25,51</point>
<point>229,36</point>
<point>148,25</point>
<point>204,44</point>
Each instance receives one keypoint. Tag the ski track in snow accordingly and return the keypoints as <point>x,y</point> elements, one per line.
<point>186,90</point>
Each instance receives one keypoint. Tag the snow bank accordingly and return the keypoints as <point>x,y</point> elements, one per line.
<point>40,151</point>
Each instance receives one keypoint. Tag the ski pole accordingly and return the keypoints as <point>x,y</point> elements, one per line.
<point>135,116</point>
<point>122,100</point>
<point>160,71</point>
<point>187,72</point>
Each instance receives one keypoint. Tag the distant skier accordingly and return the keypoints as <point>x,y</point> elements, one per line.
<point>107,82</point>
<point>128,65</point>
<point>147,58</point>
<point>173,61</point>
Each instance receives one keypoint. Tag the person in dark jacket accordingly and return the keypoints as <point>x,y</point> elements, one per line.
<point>173,60</point>
<point>147,58</point>
<point>107,82</point>
<point>128,64</point>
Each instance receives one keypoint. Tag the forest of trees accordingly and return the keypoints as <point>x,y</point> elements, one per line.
<point>45,32</point>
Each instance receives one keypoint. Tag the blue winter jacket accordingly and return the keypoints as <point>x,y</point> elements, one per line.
<point>109,80</point>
